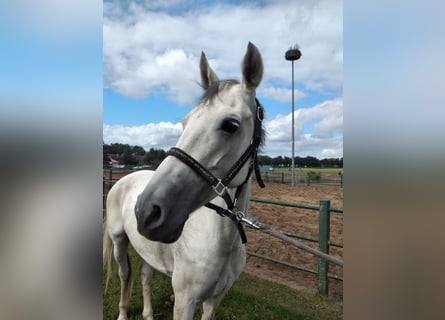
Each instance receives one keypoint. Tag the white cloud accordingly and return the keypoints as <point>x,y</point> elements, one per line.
<point>163,135</point>
<point>147,52</point>
<point>307,145</point>
<point>318,132</point>
<point>281,94</point>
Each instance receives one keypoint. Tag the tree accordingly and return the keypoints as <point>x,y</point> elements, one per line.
<point>126,153</point>
<point>119,148</point>
<point>281,161</point>
<point>264,161</point>
<point>128,159</point>
<point>105,153</point>
<point>138,150</point>
<point>154,156</point>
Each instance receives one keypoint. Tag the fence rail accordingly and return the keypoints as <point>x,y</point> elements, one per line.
<point>303,177</point>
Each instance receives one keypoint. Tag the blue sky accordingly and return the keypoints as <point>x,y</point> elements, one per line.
<point>151,68</point>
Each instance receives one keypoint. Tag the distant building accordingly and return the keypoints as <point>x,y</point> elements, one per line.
<point>114,162</point>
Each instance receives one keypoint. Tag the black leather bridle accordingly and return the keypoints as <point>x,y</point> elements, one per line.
<point>220,186</point>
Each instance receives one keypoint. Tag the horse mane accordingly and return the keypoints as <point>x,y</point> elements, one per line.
<point>263,131</point>
<point>214,89</point>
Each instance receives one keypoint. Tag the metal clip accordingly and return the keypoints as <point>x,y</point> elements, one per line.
<point>250,221</point>
<point>260,113</point>
<point>238,213</point>
<point>241,216</point>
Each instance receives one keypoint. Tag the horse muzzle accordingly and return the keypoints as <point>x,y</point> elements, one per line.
<point>153,225</point>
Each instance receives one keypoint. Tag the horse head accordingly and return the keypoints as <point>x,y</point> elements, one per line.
<point>216,134</point>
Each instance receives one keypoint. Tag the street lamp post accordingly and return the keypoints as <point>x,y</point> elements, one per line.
<point>293,54</point>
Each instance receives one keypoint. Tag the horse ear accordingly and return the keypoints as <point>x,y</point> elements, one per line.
<point>208,76</point>
<point>252,68</point>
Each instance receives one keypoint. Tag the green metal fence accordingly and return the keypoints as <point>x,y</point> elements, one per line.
<point>304,178</point>
<point>323,240</point>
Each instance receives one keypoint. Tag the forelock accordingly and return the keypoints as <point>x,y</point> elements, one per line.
<point>215,88</point>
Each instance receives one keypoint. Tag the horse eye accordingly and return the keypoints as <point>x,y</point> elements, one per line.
<point>230,125</point>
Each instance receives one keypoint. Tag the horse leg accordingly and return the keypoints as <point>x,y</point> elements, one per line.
<point>123,260</point>
<point>209,306</point>
<point>146,275</point>
<point>184,308</point>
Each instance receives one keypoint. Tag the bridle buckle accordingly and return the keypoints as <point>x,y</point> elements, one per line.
<point>220,188</point>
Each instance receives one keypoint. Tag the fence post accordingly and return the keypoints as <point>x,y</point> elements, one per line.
<point>282,177</point>
<point>323,246</point>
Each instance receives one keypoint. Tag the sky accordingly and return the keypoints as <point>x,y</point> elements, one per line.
<point>151,52</point>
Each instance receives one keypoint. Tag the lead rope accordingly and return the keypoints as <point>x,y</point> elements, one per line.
<point>277,234</point>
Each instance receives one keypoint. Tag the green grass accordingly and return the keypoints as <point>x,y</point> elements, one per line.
<point>250,298</point>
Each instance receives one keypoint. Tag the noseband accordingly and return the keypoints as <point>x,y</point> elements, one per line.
<point>220,186</point>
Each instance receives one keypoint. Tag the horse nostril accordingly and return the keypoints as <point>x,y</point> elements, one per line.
<point>154,216</point>
<point>156,212</point>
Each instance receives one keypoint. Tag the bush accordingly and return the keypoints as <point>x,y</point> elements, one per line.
<point>313,176</point>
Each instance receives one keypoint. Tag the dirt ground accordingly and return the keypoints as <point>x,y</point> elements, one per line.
<point>298,221</point>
